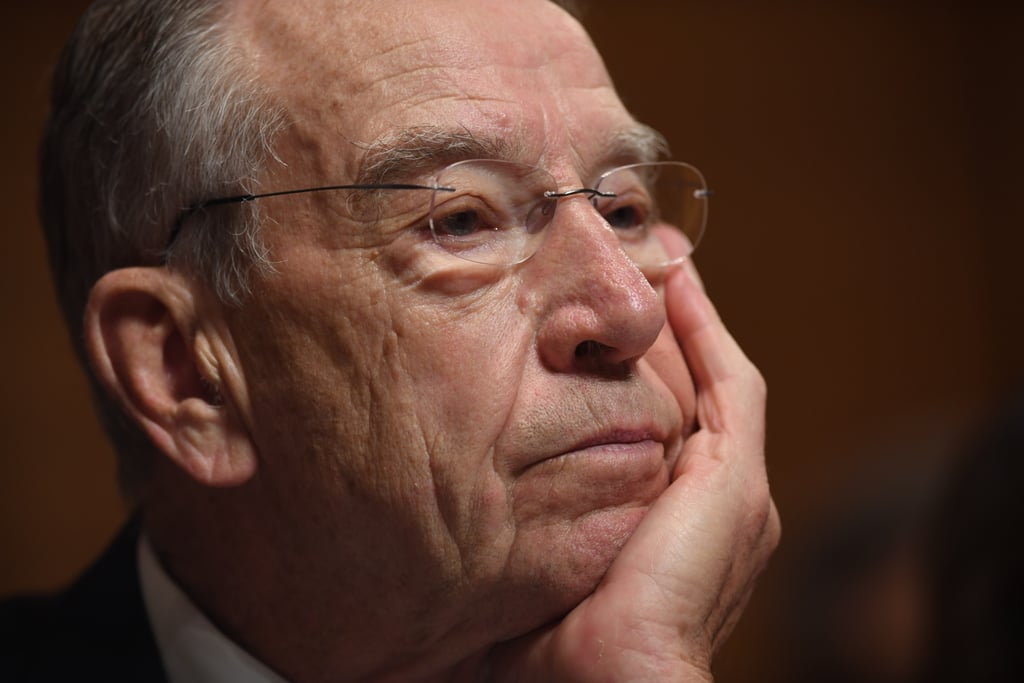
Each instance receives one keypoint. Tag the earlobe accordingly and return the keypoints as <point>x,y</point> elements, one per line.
<point>143,329</point>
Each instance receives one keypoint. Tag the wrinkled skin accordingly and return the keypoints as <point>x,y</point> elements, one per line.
<point>548,471</point>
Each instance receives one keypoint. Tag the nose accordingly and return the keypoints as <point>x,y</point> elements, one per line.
<point>597,310</point>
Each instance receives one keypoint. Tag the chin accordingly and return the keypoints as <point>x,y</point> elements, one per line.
<point>567,568</point>
<point>599,538</point>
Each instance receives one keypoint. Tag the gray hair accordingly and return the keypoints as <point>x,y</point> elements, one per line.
<point>152,109</point>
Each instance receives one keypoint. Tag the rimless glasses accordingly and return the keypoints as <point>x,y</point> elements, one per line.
<point>495,212</point>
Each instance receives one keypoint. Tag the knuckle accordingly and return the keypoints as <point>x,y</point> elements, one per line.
<point>758,384</point>
<point>772,534</point>
<point>752,380</point>
<point>763,516</point>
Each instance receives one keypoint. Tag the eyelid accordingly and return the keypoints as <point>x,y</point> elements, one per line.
<point>460,203</point>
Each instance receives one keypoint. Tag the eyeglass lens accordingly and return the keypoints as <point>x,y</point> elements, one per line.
<point>495,211</point>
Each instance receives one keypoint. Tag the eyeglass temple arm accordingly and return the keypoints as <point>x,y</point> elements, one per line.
<point>242,198</point>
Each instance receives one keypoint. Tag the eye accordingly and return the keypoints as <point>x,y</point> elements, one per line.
<point>624,217</point>
<point>469,225</point>
<point>459,224</point>
<point>491,211</point>
<point>466,217</point>
<point>629,212</point>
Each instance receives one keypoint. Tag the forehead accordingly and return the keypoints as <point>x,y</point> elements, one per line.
<point>351,74</point>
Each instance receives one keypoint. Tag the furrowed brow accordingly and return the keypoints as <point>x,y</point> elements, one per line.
<point>414,152</point>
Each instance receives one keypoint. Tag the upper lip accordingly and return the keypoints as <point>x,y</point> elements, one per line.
<point>583,418</point>
<point>625,433</point>
<point>614,436</point>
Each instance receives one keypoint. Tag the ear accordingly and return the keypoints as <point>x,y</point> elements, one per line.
<point>151,349</point>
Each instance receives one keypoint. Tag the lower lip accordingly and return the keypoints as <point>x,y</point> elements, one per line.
<point>607,475</point>
<point>617,461</point>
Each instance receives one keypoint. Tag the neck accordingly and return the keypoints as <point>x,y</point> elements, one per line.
<point>266,595</point>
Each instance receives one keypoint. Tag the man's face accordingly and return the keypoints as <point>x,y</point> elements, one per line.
<point>467,446</point>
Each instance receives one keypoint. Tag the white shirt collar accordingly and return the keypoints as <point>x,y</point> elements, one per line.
<point>193,649</point>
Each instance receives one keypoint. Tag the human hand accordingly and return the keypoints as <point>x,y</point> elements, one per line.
<point>677,589</point>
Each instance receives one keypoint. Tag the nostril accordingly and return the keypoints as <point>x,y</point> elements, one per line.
<point>590,348</point>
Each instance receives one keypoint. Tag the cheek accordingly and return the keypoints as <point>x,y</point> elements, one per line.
<point>462,365</point>
<point>664,365</point>
<point>319,355</point>
<point>461,346</point>
<point>376,419</point>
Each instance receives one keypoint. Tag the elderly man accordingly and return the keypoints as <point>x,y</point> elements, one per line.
<point>391,333</point>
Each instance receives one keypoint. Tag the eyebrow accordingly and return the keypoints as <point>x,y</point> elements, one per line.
<point>416,151</point>
<point>636,144</point>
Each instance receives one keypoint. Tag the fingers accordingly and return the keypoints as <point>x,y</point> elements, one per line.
<point>711,352</point>
<point>730,390</point>
<point>722,473</point>
<point>678,586</point>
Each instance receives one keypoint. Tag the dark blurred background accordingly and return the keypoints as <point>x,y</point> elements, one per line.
<point>863,246</point>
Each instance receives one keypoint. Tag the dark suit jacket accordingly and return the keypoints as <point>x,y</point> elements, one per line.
<point>97,630</point>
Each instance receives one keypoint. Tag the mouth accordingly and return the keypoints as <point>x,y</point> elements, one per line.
<point>620,437</point>
<point>611,469</point>
<point>616,453</point>
<point>595,438</point>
